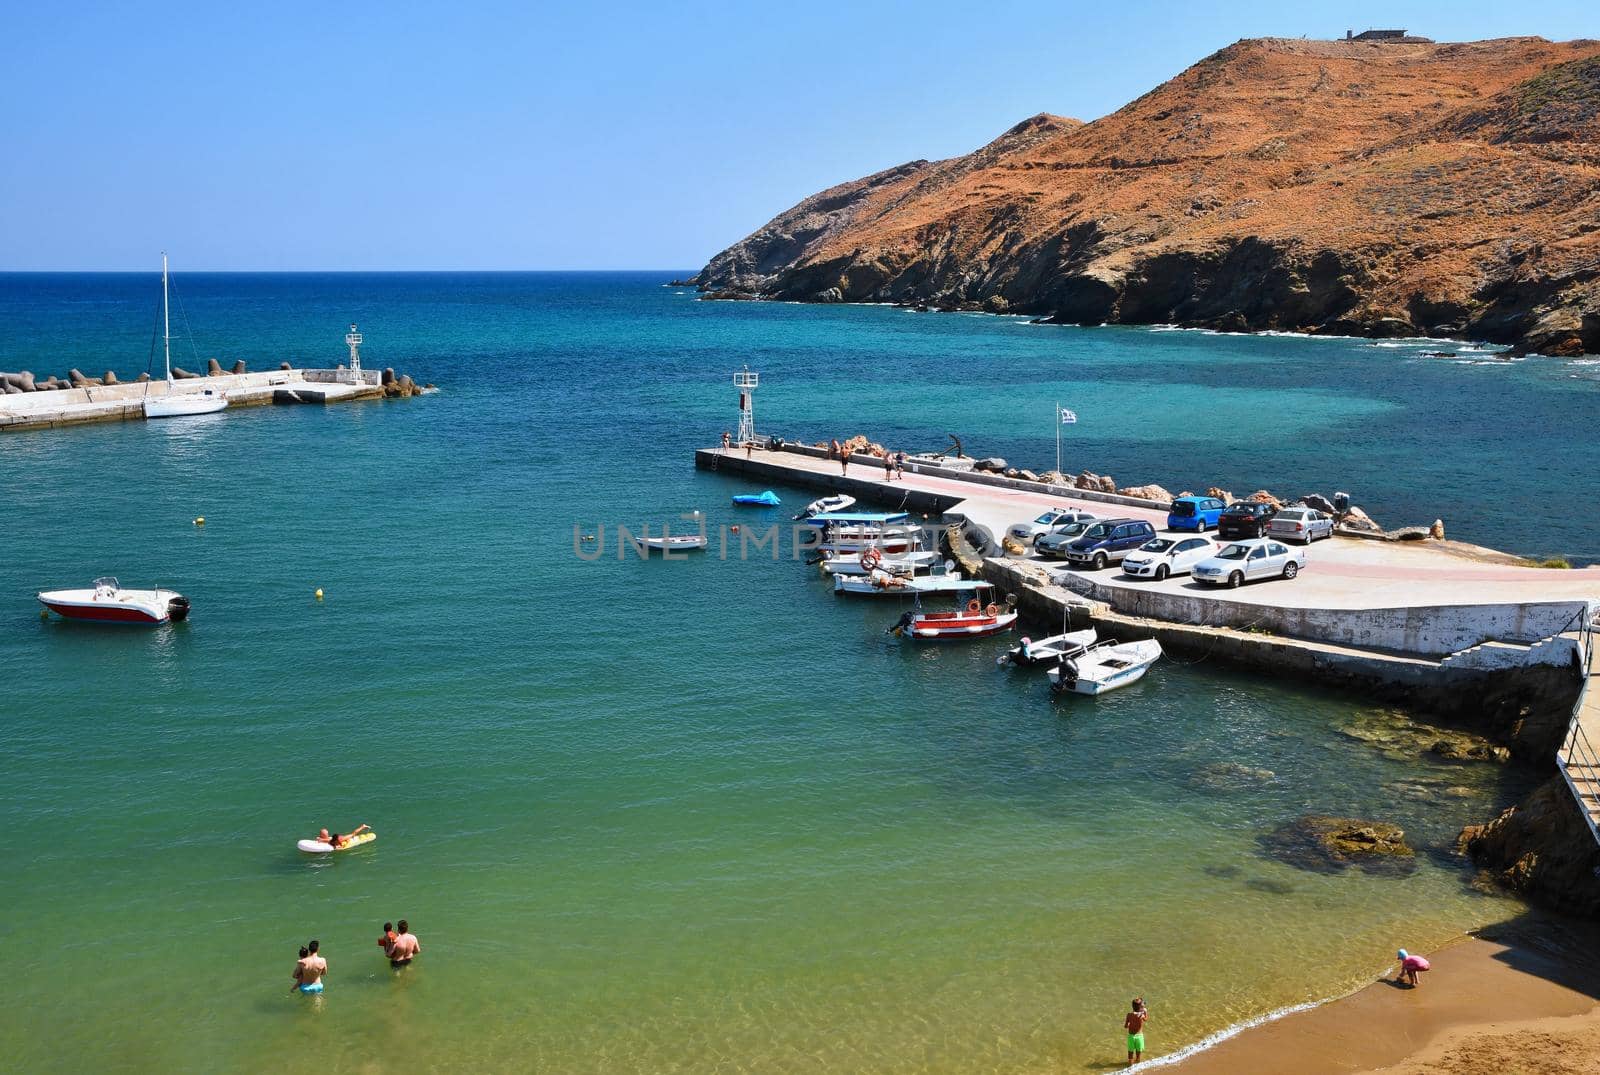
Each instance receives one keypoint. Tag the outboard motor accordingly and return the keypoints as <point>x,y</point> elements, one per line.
<point>1066,675</point>
<point>902,624</point>
<point>178,608</point>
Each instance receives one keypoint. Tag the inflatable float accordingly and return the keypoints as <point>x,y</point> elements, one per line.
<point>322,847</point>
<point>767,499</point>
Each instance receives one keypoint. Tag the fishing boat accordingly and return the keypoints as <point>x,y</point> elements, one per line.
<point>767,499</point>
<point>177,404</point>
<point>922,562</point>
<point>673,542</point>
<point>882,584</point>
<point>979,617</point>
<point>108,602</point>
<point>826,504</point>
<point>1030,652</point>
<point>1105,667</point>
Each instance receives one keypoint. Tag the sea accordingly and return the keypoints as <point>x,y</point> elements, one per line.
<point>698,815</point>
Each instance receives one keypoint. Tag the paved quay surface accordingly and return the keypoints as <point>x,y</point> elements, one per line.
<point>1341,573</point>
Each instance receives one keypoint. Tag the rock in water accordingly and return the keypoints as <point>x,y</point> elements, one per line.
<point>179,374</point>
<point>238,367</point>
<point>993,463</point>
<point>1321,503</point>
<point>1436,531</point>
<point>110,377</point>
<point>1326,844</point>
<point>142,378</point>
<point>1027,475</point>
<point>1543,850</point>
<point>388,376</point>
<point>285,366</point>
<point>1221,494</point>
<point>213,368</point>
<point>1230,776</point>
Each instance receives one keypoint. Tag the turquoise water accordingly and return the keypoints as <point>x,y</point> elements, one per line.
<point>672,816</point>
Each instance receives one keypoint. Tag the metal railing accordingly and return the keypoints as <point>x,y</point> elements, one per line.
<point>1578,752</point>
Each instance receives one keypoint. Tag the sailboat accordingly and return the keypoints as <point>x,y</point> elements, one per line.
<point>171,405</point>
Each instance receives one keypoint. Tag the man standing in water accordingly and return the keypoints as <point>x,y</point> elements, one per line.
<point>1134,1025</point>
<point>405,946</point>
<point>309,972</point>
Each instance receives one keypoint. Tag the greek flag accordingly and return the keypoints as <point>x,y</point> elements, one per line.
<point>1068,417</point>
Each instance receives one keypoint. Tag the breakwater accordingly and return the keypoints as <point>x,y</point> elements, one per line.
<point>119,401</point>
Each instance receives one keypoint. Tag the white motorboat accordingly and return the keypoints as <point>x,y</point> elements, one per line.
<point>852,532</point>
<point>1105,667</point>
<point>825,505</point>
<point>177,404</point>
<point>674,542</point>
<point>108,602</point>
<point>922,562</point>
<point>1030,652</point>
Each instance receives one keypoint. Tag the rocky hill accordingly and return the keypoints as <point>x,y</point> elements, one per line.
<point>1322,186</point>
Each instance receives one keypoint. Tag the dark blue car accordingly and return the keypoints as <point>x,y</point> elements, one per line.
<point>1197,513</point>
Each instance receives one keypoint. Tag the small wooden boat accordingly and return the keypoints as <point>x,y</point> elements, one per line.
<point>108,602</point>
<point>1105,667</point>
<point>1030,652</point>
<point>979,617</point>
<point>826,504</point>
<point>674,542</point>
<point>767,499</point>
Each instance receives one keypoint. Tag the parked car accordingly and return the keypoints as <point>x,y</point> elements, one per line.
<point>1301,524</point>
<point>1108,541</point>
<point>1053,546</point>
<point>1198,513</point>
<point>1244,519</point>
<point>1023,533</point>
<point>1246,561</point>
<point>1163,556</point>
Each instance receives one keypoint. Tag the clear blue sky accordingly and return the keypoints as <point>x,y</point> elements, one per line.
<point>553,136</point>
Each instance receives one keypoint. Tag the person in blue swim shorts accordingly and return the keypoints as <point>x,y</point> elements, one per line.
<point>310,970</point>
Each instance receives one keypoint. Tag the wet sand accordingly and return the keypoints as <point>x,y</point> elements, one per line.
<point>1524,996</point>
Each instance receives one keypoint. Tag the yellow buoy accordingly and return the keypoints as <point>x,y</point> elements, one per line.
<point>44,614</point>
<point>319,593</point>
<point>199,520</point>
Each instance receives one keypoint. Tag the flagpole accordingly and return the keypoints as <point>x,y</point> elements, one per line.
<point>1058,436</point>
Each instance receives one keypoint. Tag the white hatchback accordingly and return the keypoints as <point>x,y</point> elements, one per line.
<point>1240,562</point>
<point>1163,556</point>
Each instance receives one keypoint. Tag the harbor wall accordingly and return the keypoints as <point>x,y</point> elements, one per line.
<point>1434,630</point>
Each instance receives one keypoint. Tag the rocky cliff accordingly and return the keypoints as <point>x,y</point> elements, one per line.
<point>1322,186</point>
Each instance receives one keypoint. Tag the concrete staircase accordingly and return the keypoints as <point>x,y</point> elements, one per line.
<point>1559,650</point>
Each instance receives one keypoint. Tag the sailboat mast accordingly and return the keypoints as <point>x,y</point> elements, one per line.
<point>166,316</point>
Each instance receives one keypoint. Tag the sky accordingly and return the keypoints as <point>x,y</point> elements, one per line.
<point>533,135</point>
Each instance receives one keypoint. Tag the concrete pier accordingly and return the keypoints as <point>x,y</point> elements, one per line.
<point>1429,623</point>
<point>109,403</point>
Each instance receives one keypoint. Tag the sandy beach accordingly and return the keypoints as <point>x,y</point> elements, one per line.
<point>1518,997</point>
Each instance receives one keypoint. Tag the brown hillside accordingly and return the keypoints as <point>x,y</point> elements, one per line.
<point>1324,186</point>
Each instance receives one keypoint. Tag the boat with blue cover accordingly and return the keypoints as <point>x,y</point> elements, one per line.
<point>767,499</point>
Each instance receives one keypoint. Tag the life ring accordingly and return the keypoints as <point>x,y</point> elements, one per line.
<point>871,559</point>
<point>992,611</point>
<point>973,606</point>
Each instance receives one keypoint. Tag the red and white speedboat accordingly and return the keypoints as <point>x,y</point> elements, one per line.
<point>108,602</point>
<point>978,617</point>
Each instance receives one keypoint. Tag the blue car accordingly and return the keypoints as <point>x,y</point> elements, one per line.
<point>1197,513</point>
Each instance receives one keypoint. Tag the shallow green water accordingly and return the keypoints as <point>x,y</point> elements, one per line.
<point>693,816</point>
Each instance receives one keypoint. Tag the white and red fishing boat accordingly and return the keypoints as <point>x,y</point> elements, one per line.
<point>108,602</point>
<point>977,617</point>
